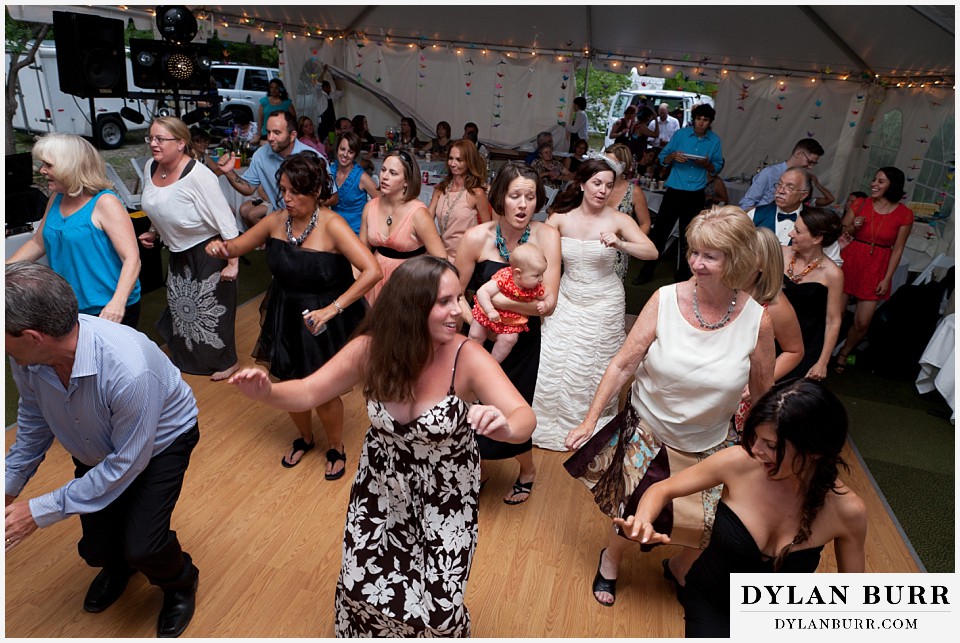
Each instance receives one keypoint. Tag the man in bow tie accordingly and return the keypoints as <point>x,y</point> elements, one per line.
<point>790,192</point>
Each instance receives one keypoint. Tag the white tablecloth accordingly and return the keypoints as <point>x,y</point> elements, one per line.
<point>937,363</point>
<point>736,190</point>
<point>434,167</point>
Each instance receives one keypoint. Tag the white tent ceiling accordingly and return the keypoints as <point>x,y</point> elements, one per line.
<point>885,40</point>
<point>892,41</point>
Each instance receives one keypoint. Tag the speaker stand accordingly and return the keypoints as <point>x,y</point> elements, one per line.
<point>93,122</point>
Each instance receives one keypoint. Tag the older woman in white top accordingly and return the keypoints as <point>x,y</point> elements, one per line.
<point>693,349</point>
<point>188,210</point>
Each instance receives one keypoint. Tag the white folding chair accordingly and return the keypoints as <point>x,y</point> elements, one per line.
<point>138,164</point>
<point>552,193</point>
<point>942,260</point>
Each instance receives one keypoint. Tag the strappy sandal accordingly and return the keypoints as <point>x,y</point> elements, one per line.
<point>520,488</point>
<point>298,445</point>
<point>334,456</point>
<point>840,364</point>
<point>601,584</point>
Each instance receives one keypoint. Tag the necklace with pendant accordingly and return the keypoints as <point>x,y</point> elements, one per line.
<point>445,222</point>
<point>806,271</point>
<point>296,241</point>
<point>723,320</point>
<point>502,245</point>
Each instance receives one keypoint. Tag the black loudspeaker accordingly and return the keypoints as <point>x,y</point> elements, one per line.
<point>91,59</point>
<point>165,65</point>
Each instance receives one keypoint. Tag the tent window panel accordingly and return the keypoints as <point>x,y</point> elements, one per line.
<point>884,147</point>
<point>932,180</point>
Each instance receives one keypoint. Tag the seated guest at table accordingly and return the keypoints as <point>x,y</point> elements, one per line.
<point>353,184</point>
<point>200,143</point>
<point>85,233</point>
<point>550,169</point>
<point>342,125</point>
<point>307,135</point>
<point>408,135</point>
<point>246,129</point>
<point>715,193</point>
<point>460,201</point>
<point>313,304</point>
<point>781,502</point>
<point>543,138</point>
<point>471,133</point>
<point>187,209</point>
<point>114,402</point>
<point>806,154</point>
<point>440,146</point>
<point>264,165</point>
<point>685,185</point>
<point>367,141</point>
<point>573,161</point>
<point>814,285</point>
<point>649,165</point>
<point>397,225</point>
<point>879,226</point>
<point>276,100</point>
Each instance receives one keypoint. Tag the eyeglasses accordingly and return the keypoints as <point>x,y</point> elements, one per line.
<point>405,157</point>
<point>158,139</point>
<point>787,188</point>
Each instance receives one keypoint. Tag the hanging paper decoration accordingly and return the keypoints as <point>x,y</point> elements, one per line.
<point>496,114</point>
<point>744,95</point>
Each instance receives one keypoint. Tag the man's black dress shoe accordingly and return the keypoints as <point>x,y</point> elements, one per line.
<point>105,589</point>
<point>177,610</point>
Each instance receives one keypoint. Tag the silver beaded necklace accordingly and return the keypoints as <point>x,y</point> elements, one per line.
<point>723,320</point>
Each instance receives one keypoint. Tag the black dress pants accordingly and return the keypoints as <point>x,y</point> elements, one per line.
<point>133,532</point>
<point>678,205</point>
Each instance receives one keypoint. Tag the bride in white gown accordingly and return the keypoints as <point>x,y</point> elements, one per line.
<point>586,329</point>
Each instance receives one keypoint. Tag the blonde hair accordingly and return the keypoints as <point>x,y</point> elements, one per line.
<point>623,154</point>
<point>729,230</point>
<point>529,257</point>
<point>76,163</point>
<point>178,129</point>
<point>769,280</point>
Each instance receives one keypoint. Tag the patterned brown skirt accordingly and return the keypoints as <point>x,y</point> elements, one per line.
<point>620,462</point>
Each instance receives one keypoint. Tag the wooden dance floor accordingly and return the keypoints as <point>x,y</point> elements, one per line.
<point>267,541</point>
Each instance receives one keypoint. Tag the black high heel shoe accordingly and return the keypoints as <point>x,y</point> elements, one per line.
<point>601,584</point>
<point>673,579</point>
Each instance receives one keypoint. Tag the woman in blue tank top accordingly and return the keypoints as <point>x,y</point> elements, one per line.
<point>86,233</point>
<point>354,185</point>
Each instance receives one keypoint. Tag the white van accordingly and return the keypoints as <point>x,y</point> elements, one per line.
<point>649,90</point>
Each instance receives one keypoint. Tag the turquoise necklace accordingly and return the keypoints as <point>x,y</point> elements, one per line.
<point>502,245</point>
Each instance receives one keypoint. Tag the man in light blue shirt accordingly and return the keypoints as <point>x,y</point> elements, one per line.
<point>118,405</point>
<point>262,173</point>
<point>806,154</point>
<point>693,154</point>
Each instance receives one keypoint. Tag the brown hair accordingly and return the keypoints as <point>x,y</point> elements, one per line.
<point>411,173</point>
<point>501,185</point>
<point>400,343</point>
<point>769,280</point>
<point>307,174</point>
<point>476,167</point>
<point>729,230</point>
<point>572,197</point>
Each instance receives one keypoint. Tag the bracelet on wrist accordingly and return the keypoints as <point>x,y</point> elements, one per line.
<point>336,304</point>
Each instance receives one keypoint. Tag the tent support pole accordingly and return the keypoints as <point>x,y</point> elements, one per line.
<point>815,18</point>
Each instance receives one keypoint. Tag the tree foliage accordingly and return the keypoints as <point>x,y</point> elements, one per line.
<point>22,41</point>
<point>602,89</point>
<point>687,84</point>
<point>246,53</point>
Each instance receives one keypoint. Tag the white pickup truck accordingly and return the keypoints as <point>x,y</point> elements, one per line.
<point>242,86</point>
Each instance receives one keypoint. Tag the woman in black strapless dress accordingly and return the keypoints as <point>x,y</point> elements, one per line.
<point>313,304</point>
<point>782,502</point>
<point>516,194</point>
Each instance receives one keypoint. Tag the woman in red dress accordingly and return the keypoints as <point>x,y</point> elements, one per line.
<point>878,227</point>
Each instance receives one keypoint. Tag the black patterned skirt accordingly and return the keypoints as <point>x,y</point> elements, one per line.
<point>198,323</point>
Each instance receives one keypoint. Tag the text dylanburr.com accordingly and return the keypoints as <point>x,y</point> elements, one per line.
<point>857,607</point>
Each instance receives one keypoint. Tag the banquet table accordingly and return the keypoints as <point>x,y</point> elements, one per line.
<point>937,363</point>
